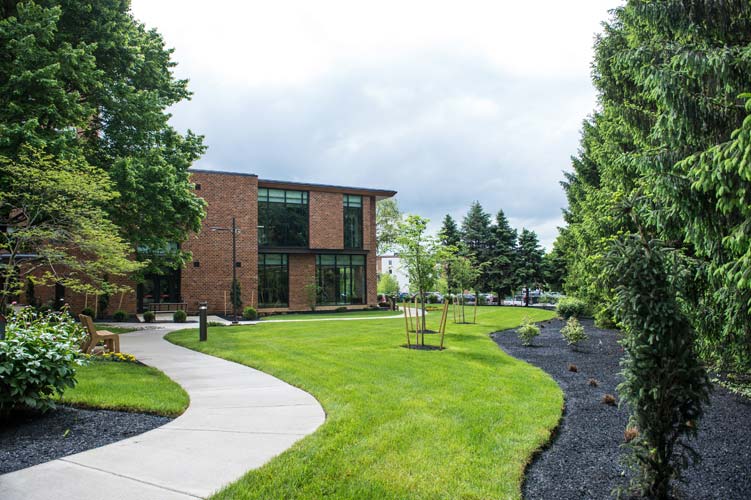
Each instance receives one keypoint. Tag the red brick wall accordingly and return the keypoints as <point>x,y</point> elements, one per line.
<point>302,270</point>
<point>326,220</point>
<point>227,196</point>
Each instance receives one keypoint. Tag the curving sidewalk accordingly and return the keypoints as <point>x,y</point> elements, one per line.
<point>238,419</point>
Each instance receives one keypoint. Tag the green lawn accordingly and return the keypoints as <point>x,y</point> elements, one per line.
<point>461,423</point>
<point>126,386</point>
<point>332,315</point>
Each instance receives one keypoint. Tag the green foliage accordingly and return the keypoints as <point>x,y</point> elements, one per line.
<point>54,208</point>
<point>120,315</point>
<point>86,83</point>
<point>571,307</point>
<point>88,311</point>
<point>235,294</point>
<point>419,253</point>
<point>664,383</point>
<point>573,332</point>
<point>388,217</point>
<point>311,290</point>
<point>341,309</point>
<point>179,316</point>
<point>477,243</point>
<point>528,331</point>
<point>38,358</point>
<point>529,260</point>
<point>388,284</point>
<point>502,271</point>
<point>671,134</point>
<point>149,317</point>
<point>250,313</point>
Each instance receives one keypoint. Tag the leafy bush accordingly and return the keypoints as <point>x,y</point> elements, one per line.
<point>149,317</point>
<point>341,309</point>
<point>571,306</point>
<point>528,331</point>
<point>250,313</point>
<point>120,315</point>
<point>38,359</point>
<point>179,316</point>
<point>604,318</point>
<point>87,311</point>
<point>573,332</point>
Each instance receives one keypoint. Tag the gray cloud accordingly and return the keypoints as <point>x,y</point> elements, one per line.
<point>442,128</point>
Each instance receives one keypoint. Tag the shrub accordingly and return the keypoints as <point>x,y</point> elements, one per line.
<point>38,359</point>
<point>250,313</point>
<point>149,317</point>
<point>571,306</point>
<point>604,318</point>
<point>179,316</point>
<point>593,382</point>
<point>118,357</point>
<point>547,298</point>
<point>630,434</point>
<point>609,399</point>
<point>528,331</point>
<point>572,368</point>
<point>664,383</point>
<point>573,332</point>
<point>87,311</point>
<point>341,309</point>
<point>120,315</point>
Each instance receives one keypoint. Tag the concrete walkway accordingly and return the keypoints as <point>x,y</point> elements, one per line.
<point>238,419</point>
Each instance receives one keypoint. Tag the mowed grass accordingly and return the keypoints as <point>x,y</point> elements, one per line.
<point>115,329</point>
<point>456,424</point>
<point>126,386</point>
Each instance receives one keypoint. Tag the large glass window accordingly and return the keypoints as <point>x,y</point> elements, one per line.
<point>282,218</point>
<point>341,279</point>
<point>273,280</point>
<point>352,221</point>
<point>159,288</point>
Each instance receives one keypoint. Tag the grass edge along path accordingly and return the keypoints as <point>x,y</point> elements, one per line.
<point>132,387</point>
<point>461,423</point>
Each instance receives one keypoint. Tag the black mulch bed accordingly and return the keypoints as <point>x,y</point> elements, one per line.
<point>583,460</point>
<point>32,438</point>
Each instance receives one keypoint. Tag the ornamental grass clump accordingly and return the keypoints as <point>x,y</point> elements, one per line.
<point>573,332</point>
<point>528,331</point>
<point>38,359</point>
<point>664,384</point>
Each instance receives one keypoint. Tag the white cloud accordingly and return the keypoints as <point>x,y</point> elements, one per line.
<point>446,102</point>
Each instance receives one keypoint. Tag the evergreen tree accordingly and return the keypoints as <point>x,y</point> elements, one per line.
<point>502,269</point>
<point>477,237</point>
<point>449,234</point>
<point>670,77</point>
<point>529,259</point>
<point>450,238</point>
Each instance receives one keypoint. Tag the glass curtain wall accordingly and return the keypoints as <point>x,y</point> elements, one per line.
<point>282,218</point>
<point>352,221</point>
<point>341,279</point>
<point>273,280</point>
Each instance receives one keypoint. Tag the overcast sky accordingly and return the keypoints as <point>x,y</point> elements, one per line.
<point>444,102</point>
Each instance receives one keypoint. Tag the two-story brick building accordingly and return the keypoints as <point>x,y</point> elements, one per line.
<point>292,239</point>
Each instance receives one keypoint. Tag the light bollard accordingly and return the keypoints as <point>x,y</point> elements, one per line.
<point>202,323</point>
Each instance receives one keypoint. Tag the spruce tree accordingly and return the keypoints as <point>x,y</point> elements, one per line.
<point>502,269</point>
<point>450,238</point>
<point>477,238</point>
<point>529,259</point>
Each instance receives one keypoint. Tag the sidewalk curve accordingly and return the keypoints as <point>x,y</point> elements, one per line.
<point>238,419</point>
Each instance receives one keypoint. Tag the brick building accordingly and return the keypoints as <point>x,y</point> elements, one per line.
<point>293,239</point>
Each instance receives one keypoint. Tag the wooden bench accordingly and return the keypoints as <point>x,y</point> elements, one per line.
<point>167,307</point>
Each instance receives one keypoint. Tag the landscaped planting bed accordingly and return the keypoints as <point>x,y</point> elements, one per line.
<point>583,460</point>
<point>33,438</point>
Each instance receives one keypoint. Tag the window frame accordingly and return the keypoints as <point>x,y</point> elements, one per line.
<point>268,196</point>
<point>352,240</point>
<point>345,272</point>
<point>262,266</point>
